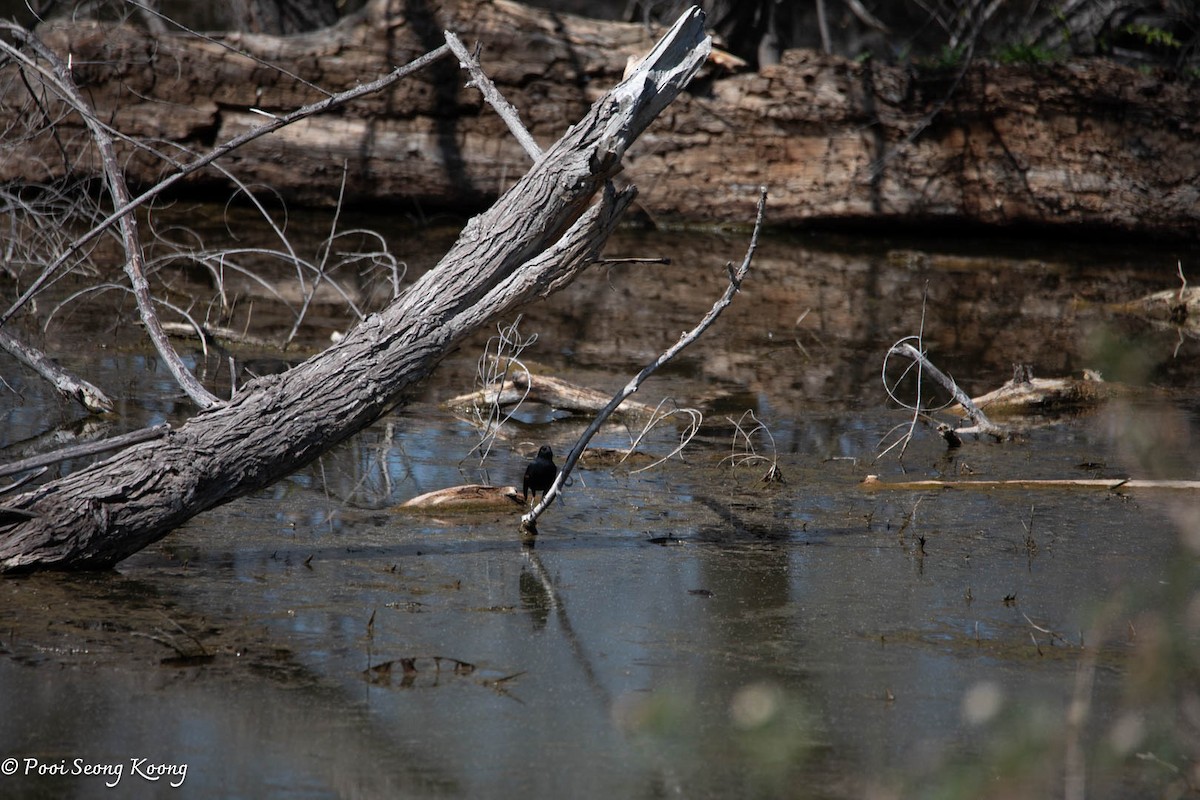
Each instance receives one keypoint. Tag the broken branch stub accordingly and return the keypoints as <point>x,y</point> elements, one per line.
<point>532,241</point>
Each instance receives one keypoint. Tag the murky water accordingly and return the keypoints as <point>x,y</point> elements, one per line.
<point>686,631</point>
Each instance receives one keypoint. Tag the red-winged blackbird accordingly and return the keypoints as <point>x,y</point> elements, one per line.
<point>540,473</point>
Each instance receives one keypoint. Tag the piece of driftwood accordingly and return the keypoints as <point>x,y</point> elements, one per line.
<point>1176,307</point>
<point>210,334</point>
<point>550,225</point>
<point>1025,393</point>
<point>468,497</point>
<point>554,392</point>
<point>1111,484</point>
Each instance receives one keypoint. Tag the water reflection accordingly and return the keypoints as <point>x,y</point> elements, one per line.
<point>689,630</point>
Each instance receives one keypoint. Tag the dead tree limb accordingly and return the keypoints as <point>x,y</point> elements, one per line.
<point>209,158</point>
<point>483,83</point>
<point>87,394</point>
<point>83,450</point>
<point>980,420</point>
<point>534,240</point>
<point>114,177</point>
<point>529,521</point>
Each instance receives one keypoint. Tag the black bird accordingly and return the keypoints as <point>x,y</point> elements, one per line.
<point>540,473</point>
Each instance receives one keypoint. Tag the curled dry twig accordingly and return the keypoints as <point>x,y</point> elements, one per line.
<point>736,276</point>
<point>695,418</point>
<point>915,352</point>
<point>748,454</point>
<point>501,355</point>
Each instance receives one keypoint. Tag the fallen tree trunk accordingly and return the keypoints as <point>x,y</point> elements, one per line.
<point>1085,144</point>
<point>531,242</point>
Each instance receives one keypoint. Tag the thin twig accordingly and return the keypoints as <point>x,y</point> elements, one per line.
<point>207,159</point>
<point>119,191</point>
<point>491,94</point>
<point>89,449</point>
<point>529,521</point>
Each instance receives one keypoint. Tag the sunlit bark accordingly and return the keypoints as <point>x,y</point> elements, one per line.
<point>542,232</point>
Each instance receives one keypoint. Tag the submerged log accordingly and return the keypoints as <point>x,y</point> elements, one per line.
<point>1024,393</point>
<point>535,239</point>
<point>1086,143</point>
<point>548,390</point>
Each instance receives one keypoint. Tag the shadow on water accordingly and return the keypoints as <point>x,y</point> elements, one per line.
<point>690,630</point>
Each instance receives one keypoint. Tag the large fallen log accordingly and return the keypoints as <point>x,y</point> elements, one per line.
<point>1086,143</point>
<point>543,231</point>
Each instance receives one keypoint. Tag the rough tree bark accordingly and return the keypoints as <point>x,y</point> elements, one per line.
<point>1083,144</point>
<point>549,226</point>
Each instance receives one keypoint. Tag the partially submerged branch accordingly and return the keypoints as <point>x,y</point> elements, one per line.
<point>980,420</point>
<point>1110,484</point>
<point>524,386</point>
<point>87,394</point>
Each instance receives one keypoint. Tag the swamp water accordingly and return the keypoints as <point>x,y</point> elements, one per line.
<point>686,631</point>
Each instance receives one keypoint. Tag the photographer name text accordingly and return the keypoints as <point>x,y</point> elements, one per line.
<point>112,772</point>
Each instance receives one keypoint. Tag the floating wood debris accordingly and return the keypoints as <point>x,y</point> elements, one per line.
<point>1111,484</point>
<point>1178,307</point>
<point>529,387</point>
<point>1025,393</point>
<point>469,497</point>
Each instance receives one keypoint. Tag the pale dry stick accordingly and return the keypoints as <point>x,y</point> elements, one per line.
<point>529,520</point>
<point>685,438</point>
<point>903,441</point>
<point>119,192</point>
<point>974,413</point>
<point>494,371</point>
<point>491,94</point>
<point>209,158</point>
<point>1052,634</point>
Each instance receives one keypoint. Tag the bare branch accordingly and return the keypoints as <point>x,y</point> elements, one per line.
<point>209,158</point>
<point>88,395</point>
<point>975,414</point>
<point>119,191</point>
<point>491,94</point>
<point>529,521</point>
<point>89,449</point>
